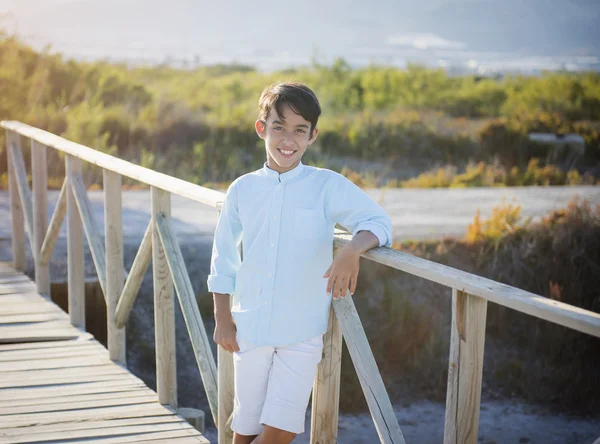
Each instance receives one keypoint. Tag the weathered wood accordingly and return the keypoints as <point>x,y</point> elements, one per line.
<point>191,313</point>
<point>225,385</point>
<point>194,417</point>
<point>113,238</point>
<point>120,412</point>
<point>465,368</point>
<point>20,177</point>
<point>108,431</point>
<point>158,180</point>
<point>535,305</point>
<point>164,307</point>
<point>326,388</point>
<point>54,227</point>
<point>48,394</point>
<point>90,227</point>
<point>75,258</point>
<point>16,209</point>
<point>39,174</point>
<point>77,405</point>
<point>87,425</point>
<point>134,279</point>
<point>369,377</point>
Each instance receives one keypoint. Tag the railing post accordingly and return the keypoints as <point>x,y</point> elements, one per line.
<point>75,258</point>
<point>39,174</point>
<point>326,388</point>
<point>164,307</point>
<point>16,207</point>
<point>225,384</point>
<point>465,369</point>
<point>113,241</point>
<point>225,387</point>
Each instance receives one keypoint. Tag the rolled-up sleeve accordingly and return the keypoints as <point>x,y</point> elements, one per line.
<point>355,210</point>
<point>225,261</point>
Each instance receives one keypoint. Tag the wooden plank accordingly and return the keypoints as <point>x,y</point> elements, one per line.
<point>74,405</point>
<point>58,380</point>
<point>75,257</point>
<point>145,175</point>
<point>59,398</point>
<point>535,305</point>
<point>84,340</point>
<point>326,388</point>
<point>191,314</point>
<point>465,369</point>
<point>162,419</point>
<point>21,287</point>
<point>134,279</point>
<point>39,174</point>
<point>94,414</point>
<point>29,307</point>
<point>35,355</point>
<point>90,228</point>
<point>368,374</point>
<point>36,317</point>
<point>35,336</point>
<point>191,435</point>
<point>42,393</point>
<point>55,373</point>
<point>164,308</point>
<point>20,179</point>
<point>61,363</point>
<point>54,227</point>
<point>113,238</point>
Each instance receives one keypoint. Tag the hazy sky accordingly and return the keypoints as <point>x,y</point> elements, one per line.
<point>289,33</point>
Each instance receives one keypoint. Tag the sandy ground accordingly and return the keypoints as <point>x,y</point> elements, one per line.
<point>500,423</point>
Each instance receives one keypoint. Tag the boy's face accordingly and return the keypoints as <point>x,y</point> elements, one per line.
<point>286,138</point>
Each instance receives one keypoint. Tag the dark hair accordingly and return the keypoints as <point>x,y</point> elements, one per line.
<point>299,97</point>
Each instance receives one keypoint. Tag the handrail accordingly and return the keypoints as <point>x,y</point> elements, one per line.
<point>532,304</point>
<point>470,293</point>
<point>145,175</point>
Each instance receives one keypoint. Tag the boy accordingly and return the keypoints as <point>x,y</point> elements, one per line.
<point>284,216</point>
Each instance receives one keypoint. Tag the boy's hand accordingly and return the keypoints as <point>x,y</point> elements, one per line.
<point>224,335</point>
<point>343,272</point>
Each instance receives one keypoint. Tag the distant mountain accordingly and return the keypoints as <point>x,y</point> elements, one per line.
<point>291,32</point>
<point>534,26</point>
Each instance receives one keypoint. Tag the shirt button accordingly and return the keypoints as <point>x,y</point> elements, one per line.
<point>275,217</point>
<point>266,302</point>
<point>272,245</point>
<point>270,275</point>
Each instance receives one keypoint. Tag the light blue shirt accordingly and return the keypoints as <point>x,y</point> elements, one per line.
<point>285,224</point>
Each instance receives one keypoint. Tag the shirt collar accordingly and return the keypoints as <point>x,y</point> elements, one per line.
<point>282,177</point>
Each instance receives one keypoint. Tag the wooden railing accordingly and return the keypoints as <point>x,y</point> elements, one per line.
<point>470,293</point>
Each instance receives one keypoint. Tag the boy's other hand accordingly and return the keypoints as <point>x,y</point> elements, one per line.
<point>225,335</point>
<point>343,272</point>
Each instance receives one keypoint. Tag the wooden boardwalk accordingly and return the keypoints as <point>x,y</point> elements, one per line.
<point>57,383</point>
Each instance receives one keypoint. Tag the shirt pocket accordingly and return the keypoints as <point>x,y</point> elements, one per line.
<point>308,224</point>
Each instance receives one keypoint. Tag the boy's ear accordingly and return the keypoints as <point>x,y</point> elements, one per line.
<point>315,133</point>
<point>260,127</point>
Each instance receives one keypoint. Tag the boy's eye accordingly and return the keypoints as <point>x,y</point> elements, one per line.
<point>278,128</point>
<point>301,131</point>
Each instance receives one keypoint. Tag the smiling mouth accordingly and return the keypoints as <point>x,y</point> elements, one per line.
<point>286,152</point>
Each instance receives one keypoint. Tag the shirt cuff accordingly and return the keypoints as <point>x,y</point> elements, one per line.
<point>220,284</point>
<point>376,230</point>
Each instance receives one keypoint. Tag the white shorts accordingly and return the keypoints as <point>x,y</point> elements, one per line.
<point>273,385</point>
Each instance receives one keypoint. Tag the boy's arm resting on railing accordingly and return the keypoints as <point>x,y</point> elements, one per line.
<point>370,225</point>
<point>224,265</point>
<point>355,210</point>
